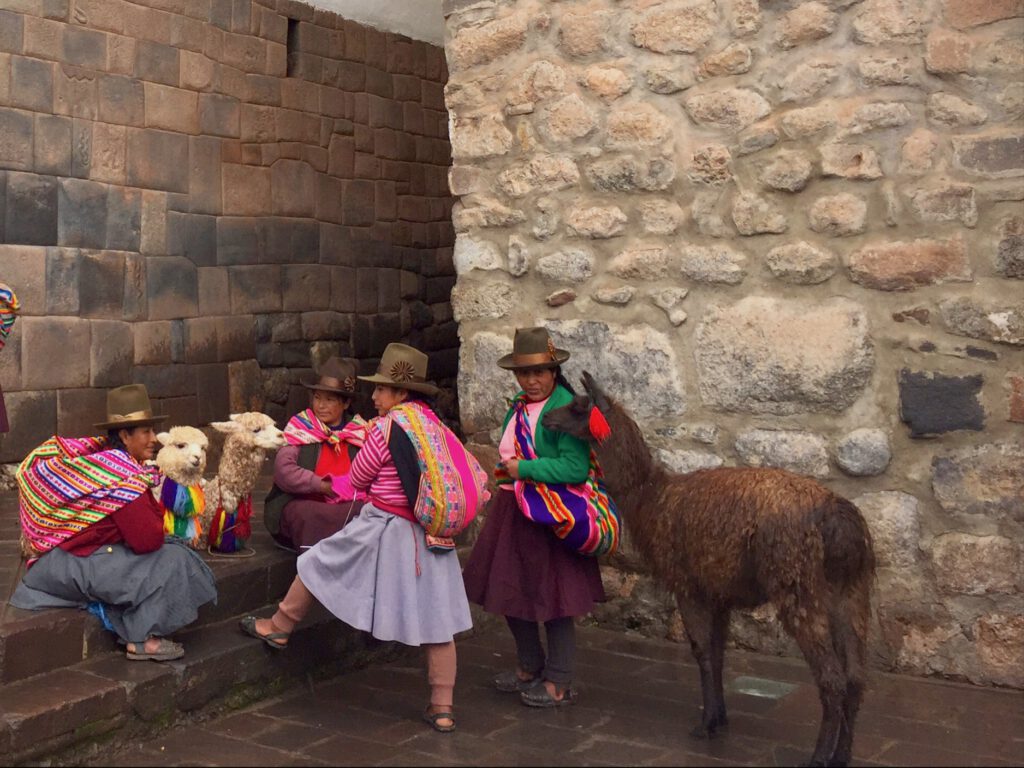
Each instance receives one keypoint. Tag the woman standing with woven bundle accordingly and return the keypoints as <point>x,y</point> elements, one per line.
<point>382,573</point>
<point>519,568</point>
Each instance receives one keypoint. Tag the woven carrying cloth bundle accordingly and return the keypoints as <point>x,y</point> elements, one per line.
<point>183,505</point>
<point>305,428</point>
<point>67,484</point>
<point>453,485</point>
<point>582,515</point>
<point>9,307</point>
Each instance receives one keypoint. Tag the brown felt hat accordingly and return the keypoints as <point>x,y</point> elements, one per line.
<point>403,367</point>
<point>533,348</point>
<point>337,375</point>
<point>128,407</point>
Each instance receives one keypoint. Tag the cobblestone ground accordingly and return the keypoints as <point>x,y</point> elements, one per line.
<point>638,700</point>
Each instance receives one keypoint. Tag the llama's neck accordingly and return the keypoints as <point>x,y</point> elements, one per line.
<point>630,472</point>
<point>240,465</point>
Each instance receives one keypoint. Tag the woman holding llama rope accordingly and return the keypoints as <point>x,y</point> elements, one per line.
<point>527,565</point>
<point>8,313</point>
<point>389,572</point>
<point>302,508</point>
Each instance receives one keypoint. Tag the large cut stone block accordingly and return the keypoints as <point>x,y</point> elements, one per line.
<point>172,289</point>
<point>16,132</point>
<point>33,419</point>
<point>63,278</point>
<point>255,289</point>
<point>101,285</point>
<point>51,339</point>
<point>306,287</point>
<point>894,519</point>
<point>31,212</point>
<point>158,160</point>
<point>741,366</point>
<point>802,452</point>
<point>977,565</point>
<point>933,403</point>
<point>111,353</point>
<point>78,410</point>
<point>193,236</point>
<point>82,213</point>
<point>24,269</point>
<point>124,219</point>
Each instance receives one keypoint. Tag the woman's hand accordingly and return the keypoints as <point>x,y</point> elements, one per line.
<point>512,466</point>
<point>326,487</point>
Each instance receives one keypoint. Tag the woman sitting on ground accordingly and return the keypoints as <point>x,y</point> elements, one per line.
<point>382,574</point>
<point>94,533</point>
<point>302,508</point>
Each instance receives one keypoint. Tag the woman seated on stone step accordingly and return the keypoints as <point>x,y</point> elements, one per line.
<point>302,507</point>
<point>381,573</point>
<point>94,533</point>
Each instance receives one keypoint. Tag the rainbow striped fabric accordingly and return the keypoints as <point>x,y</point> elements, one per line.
<point>582,515</point>
<point>9,307</point>
<point>67,484</point>
<point>183,505</point>
<point>229,531</point>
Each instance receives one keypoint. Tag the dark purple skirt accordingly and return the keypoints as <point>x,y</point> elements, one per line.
<point>305,522</point>
<point>519,568</point>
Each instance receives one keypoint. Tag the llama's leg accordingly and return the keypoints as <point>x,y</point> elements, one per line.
<point>719,634</point>
<point>812,633</point>
<point>849,634</point>
<point>698,621</point>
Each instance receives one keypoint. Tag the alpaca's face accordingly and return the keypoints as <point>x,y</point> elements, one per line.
<point>253,427</point>
<point>183,455</point>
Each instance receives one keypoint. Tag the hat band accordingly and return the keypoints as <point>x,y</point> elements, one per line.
<point>348,384</point>
<point>534,358</point>
<point>114,418</point>
<point>406,378</point>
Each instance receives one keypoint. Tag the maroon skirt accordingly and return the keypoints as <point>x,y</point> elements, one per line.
<point>305,522</point>
<point>521,569</point>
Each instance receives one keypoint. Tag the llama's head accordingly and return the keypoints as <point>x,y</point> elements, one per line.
<point>183,455</point>
<point>252,427</point>
<point>584,416</point>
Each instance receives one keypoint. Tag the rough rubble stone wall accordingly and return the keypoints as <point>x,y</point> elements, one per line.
<point>785,234</point>
<point>210,196</point>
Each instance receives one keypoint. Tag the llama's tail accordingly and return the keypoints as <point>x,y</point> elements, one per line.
<point>849,556</point>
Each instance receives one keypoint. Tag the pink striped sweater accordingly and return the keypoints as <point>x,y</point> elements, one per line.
<point>373,470</point>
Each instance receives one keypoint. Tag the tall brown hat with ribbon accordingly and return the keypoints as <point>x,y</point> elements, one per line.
<point>128,407</point>
<point>533,348</point>
<point>337,375</point>
<point>403,367</point>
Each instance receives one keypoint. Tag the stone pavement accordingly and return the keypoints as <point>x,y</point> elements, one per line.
<point>638,700</point>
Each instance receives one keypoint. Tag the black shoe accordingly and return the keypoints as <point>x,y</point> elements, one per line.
<point>510,682</point>
<point>538,696</point>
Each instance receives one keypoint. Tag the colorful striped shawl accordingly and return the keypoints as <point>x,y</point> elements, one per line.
<point>67,484</point>
<point>183,505</point>
<point>305,428</point>
<point>9,307</point>
<point>582,515</point>
<point>453,485</point>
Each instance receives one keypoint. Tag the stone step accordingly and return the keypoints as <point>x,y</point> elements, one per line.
<point>63,714</point>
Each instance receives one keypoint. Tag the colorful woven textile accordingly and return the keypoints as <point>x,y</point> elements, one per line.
<point>305,428</point>
<point>229,531</point>
<point>183,505</point>
<point>582,515</point>
<point>453,485</point>
<point>9,307</point>
<point>67,484</point>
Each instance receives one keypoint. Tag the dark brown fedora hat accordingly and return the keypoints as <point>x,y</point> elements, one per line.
<point>337,375</point>
<point>533,348</point>
<point>128,407</point>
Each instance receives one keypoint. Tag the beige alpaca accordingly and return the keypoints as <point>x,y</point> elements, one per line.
<point>182,459</point>
<point>249,436</point>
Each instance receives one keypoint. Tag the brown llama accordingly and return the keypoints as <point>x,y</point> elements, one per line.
<point>730,537</point>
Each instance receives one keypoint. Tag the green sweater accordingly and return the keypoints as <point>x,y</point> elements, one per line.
<point>561,458</point>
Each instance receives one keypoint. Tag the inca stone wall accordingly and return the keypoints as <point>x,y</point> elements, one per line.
<point>785,234</point>
<point>210,196</point>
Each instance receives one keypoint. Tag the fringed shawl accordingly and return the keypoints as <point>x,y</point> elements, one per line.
<point>9,307</point>
<point>305,428</point>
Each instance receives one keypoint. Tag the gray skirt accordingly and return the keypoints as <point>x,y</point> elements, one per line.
<point>366,575</point>
<point>155,593</point>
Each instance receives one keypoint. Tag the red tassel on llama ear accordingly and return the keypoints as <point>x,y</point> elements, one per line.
<point>599,426</point>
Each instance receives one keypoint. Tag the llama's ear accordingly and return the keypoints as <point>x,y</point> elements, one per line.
<point>595,392</point>
<point>164,438</point>
<point>226,426</point>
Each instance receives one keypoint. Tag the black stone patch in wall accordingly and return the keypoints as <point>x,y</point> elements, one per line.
<point>933,404</point>
<point>980,353</point>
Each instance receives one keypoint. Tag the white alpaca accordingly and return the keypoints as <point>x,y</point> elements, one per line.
<point>229,495</point>
<point>182,461</point>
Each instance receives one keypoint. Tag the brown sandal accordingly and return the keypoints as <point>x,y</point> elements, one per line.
<point>433,718</point>
<point>248,625</point>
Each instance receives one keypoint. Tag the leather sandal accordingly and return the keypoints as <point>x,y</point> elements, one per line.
<point>432,718</point>
<point>168,650</point>
<point>510,682</point>
<point>248,625</point>
<point>538,696</point>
